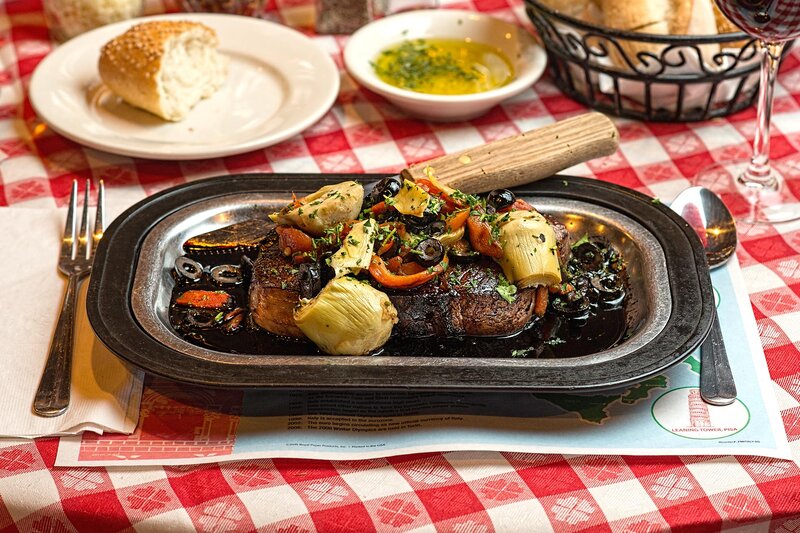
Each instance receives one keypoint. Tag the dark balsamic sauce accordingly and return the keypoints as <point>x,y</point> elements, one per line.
<point>553,336</point>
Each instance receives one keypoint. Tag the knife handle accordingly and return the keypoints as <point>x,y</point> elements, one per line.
<point>524,158</point>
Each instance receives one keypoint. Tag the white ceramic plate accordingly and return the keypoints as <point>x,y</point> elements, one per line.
<point>528,58</point>
<point>279,83</point>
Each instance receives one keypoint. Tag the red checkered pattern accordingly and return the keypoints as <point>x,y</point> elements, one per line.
<point>469,492</point>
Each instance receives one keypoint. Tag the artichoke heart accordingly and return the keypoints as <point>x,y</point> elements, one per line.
<point>451,237</point>
<point>347,317</point>
<point>324,208</point>
<point>530,250</point>
<point>356,252</point>
<point>411,200</point>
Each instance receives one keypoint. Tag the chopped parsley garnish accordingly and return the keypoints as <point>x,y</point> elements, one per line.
<point>505,289</point>
<point>580,241</point>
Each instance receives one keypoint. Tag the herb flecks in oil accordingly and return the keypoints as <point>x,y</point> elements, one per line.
<point>443,66</point>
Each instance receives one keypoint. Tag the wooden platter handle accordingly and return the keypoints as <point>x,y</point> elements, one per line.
<point>524,158</point>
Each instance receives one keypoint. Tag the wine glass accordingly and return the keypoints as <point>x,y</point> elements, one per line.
<point>755,191</point>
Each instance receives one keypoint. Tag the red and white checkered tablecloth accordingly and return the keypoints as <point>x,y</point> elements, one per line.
<point>464,492</point>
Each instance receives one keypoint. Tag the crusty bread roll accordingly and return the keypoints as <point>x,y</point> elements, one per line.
<point>585,10</point>
<point>164,66</point>
<point>661,17</point>
<point>645,16</point>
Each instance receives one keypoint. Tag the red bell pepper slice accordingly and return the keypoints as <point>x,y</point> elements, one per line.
<point>204,299</point>
<point>380,272</point>
<point>480,237</point>
<point>293,240</point>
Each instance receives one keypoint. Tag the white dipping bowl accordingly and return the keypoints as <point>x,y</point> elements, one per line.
<point>517,45</point>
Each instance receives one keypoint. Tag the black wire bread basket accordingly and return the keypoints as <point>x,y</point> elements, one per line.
<point>662,78</point>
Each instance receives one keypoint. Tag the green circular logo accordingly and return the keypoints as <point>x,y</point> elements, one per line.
<point>683,412</point>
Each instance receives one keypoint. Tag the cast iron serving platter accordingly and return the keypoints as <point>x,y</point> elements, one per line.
<point>668,313</point>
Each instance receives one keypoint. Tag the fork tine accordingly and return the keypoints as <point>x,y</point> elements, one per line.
<point>99,222</point>
<point>83,235</point>
<point>68,240</point>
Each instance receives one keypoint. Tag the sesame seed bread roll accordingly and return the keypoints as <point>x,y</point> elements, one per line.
<point>165,66</point>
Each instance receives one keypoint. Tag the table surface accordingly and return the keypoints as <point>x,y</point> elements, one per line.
<point>466,492</point>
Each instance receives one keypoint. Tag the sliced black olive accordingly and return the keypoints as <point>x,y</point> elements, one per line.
<point>437,227</point>
<point>386,187</point>
<point>188,268</point>
<point>430,252</point>
<point>327,272</point>
<point>609,290</point>
<point>420,224</point>
<point>589,255</point>
<point>580,283</point>
<point>310,280</point>
<point>201,319</point>
<point>500,199</point>
<point>570,307</point>
<point>227,274</point>
<point>608,287</point>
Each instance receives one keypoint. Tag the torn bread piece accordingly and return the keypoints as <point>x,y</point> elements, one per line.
<point>165,66</point>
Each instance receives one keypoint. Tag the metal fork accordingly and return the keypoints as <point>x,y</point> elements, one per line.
<point>75,262</point>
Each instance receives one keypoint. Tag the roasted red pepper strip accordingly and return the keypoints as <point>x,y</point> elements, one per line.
<point>379,208</point>
<point>204,299</point>
<point>386,246</point>
<point>411,268</point>
<point>293,240</point>
<point>381,273</point>
<point>394,264</point>
<point>480,237</point>
<point>457,221</point>
<point>430,188</point>
<point>540,302</point>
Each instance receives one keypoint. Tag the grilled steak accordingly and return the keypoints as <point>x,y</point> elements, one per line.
<point>461,301</point>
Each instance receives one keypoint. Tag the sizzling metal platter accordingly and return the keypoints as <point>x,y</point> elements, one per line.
<point>668,312</point>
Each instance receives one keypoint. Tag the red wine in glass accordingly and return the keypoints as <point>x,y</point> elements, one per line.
<point>755,191</point>
<point>771,21</point>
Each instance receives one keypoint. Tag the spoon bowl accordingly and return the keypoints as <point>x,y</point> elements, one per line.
<point>712,221</point>
<point>714,224</point>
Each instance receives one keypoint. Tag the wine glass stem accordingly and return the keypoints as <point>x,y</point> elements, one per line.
<point>759,174</point>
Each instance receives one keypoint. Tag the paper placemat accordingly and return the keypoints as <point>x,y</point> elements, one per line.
<point>662,415</point>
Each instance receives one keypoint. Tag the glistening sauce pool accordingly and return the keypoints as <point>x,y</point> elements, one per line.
<point>552,337</point>
<point>443,66</point>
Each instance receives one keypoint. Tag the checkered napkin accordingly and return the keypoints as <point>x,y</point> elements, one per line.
<point>105,395</point>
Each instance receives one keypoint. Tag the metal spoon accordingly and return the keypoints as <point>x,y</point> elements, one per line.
<point>714,224</point>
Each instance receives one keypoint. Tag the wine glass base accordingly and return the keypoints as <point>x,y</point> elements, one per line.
<point>750,203</point>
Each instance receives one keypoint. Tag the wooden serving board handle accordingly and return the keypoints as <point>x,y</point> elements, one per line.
<point>524,158</point>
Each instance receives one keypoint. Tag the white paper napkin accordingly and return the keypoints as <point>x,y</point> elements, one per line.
<point>105,394</point>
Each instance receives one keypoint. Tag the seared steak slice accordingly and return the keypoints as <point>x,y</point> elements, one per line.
<point>274,290</point>
<point>562,238</point>
<point>461,301</point>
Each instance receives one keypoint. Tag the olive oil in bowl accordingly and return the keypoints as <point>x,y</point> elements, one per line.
<point>443,66</point>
